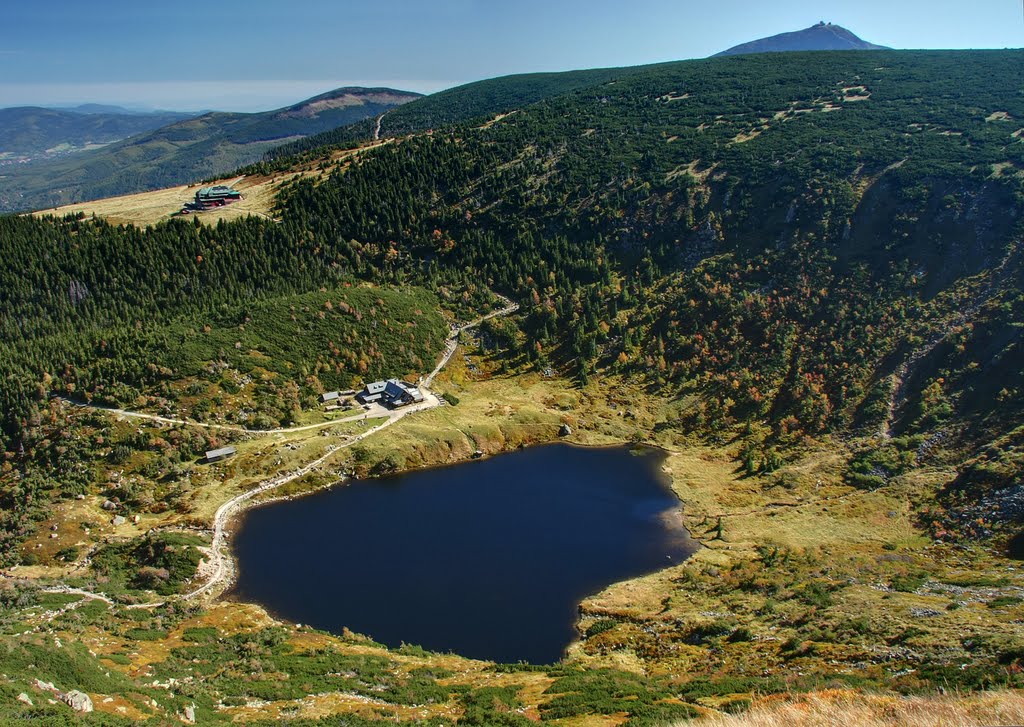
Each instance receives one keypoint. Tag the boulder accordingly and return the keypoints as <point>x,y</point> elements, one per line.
<point>25,698</point>
<point>109,505</point>
<point>565,430</point>
<point>118,520</point>
<point>190,714</point>
<point>45,686</point>
<point>78,701</point>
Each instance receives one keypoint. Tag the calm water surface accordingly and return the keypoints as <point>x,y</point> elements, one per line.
<point>488,559</point>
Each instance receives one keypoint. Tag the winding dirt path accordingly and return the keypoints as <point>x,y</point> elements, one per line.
<point>208,425</point>
<point>453,340</point>
<point>220,563</point>
<point>451,344</point>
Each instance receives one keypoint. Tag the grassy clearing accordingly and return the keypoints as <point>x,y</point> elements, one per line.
<point>857,709</point>
<point>259,197</point>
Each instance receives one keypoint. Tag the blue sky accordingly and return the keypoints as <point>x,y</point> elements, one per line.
<point>258,54</point>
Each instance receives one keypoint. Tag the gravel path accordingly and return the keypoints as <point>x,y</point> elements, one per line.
<point>220,564</point>
<point>207,425</point>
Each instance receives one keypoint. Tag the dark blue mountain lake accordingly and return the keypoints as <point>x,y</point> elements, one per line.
<point>487,559</point>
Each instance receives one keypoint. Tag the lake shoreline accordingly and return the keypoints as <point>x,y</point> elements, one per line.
<point>573,533</point>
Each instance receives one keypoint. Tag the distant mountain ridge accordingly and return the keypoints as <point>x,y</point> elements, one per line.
<point>823,36</point>
<point>187,150</point>
<point>100,108</point>
<point>480,99</point>
<point>31,131</point>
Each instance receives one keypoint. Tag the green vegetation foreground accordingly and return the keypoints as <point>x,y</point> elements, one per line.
<point>809,263</point>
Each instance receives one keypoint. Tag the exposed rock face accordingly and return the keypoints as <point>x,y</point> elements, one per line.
<point>78,701</point>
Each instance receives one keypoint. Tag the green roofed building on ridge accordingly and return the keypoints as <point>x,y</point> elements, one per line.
<point>215,196</point>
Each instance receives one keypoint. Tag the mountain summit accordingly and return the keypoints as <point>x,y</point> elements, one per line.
<point>823,36</point>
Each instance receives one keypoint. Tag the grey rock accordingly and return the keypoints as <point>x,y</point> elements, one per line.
<point>25,698</point>
<point>78,701</point>
<point>118,520</point>
<point>565,430</point>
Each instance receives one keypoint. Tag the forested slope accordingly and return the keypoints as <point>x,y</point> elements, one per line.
<point>481,99</point>
<point>186,151</point>
<point>895,174</point>
<point>820,242</point>
<point>810,262</point>
<point>806,244</point>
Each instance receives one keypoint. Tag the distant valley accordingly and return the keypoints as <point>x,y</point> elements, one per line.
<point>30,133</point>
<point>182,151</point>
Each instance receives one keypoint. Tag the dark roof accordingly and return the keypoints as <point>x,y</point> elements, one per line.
<point>395,389</point>
<point>222,452</point>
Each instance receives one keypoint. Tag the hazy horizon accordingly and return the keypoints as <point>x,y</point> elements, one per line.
<point>180,96</point>
<point>269,56</point>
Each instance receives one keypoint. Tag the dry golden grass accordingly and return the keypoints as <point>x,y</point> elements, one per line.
<point>317,706</point>
<point>745,136</point>
<point>496,119</point>
<point>117,705</point>
<point>693,169</point>
<point>149,208</point>
<point>259,197</point>
<point>853,709</point>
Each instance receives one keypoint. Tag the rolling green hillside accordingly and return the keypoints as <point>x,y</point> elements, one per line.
<point>30,132</point>
<point>186,151</point>
<point>791,239</point>
<point>825,243</point>
<point>783,237</point>
<point>799,273</point>
<point>480,100</point>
